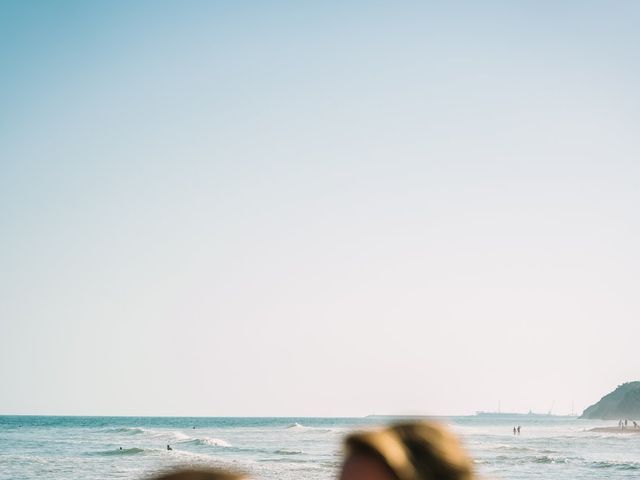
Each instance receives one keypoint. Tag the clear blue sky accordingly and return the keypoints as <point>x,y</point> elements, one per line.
<point>317,208</point>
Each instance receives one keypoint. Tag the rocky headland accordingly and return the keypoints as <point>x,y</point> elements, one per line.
<point>623,403</point>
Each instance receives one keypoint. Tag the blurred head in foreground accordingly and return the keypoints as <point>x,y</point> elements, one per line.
<point>200,474</point>
<point>406,451</point>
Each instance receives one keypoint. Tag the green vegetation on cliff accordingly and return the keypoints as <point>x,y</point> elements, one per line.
<point>623,402</point>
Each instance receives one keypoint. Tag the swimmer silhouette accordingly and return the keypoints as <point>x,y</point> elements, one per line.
<point>169,447</point>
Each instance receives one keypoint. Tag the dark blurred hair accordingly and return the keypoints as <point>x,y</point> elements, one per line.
<point>200,474</point>
<point>415,450</point>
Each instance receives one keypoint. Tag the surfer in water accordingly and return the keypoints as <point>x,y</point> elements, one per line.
<point>169,447</point>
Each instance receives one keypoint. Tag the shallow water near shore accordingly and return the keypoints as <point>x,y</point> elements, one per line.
<point>301,448</point>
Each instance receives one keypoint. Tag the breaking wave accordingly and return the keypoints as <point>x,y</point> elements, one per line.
<point>212,442</point>
<point>303,428</point>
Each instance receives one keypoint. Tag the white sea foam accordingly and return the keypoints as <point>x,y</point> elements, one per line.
<point>170,435</point>
<point>213,442</point>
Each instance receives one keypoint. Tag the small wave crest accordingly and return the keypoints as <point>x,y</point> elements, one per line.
<point>119,451</point>
<point>284,451</point>
<point>511,448</point>
<point>548,459</point>
<point>127,430</point>
<point>296,426</point>
<point>617,465</point>
<point>539,459</point>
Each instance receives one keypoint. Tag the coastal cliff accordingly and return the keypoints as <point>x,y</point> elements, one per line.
<point>623,402</point>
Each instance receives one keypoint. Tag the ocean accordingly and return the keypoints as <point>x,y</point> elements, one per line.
<point>549,447</point>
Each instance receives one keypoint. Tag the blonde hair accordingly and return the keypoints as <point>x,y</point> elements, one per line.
<point>200,474</point>
<point>414,450</point>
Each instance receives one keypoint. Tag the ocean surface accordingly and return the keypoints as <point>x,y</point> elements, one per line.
<point>548,447</point>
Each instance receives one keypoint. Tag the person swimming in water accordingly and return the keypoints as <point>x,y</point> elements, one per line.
<point>169,447</point>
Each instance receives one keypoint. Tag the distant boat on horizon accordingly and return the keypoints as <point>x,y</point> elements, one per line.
<point>530,413</point>
<point>513,414</point>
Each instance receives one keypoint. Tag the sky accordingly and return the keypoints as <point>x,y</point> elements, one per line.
<point>317,208</point>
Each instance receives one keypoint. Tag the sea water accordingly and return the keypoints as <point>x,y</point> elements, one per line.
<point>548,447</point>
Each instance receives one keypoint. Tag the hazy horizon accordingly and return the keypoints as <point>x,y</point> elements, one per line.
<point>372,415</point>
<point>336,209</point>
